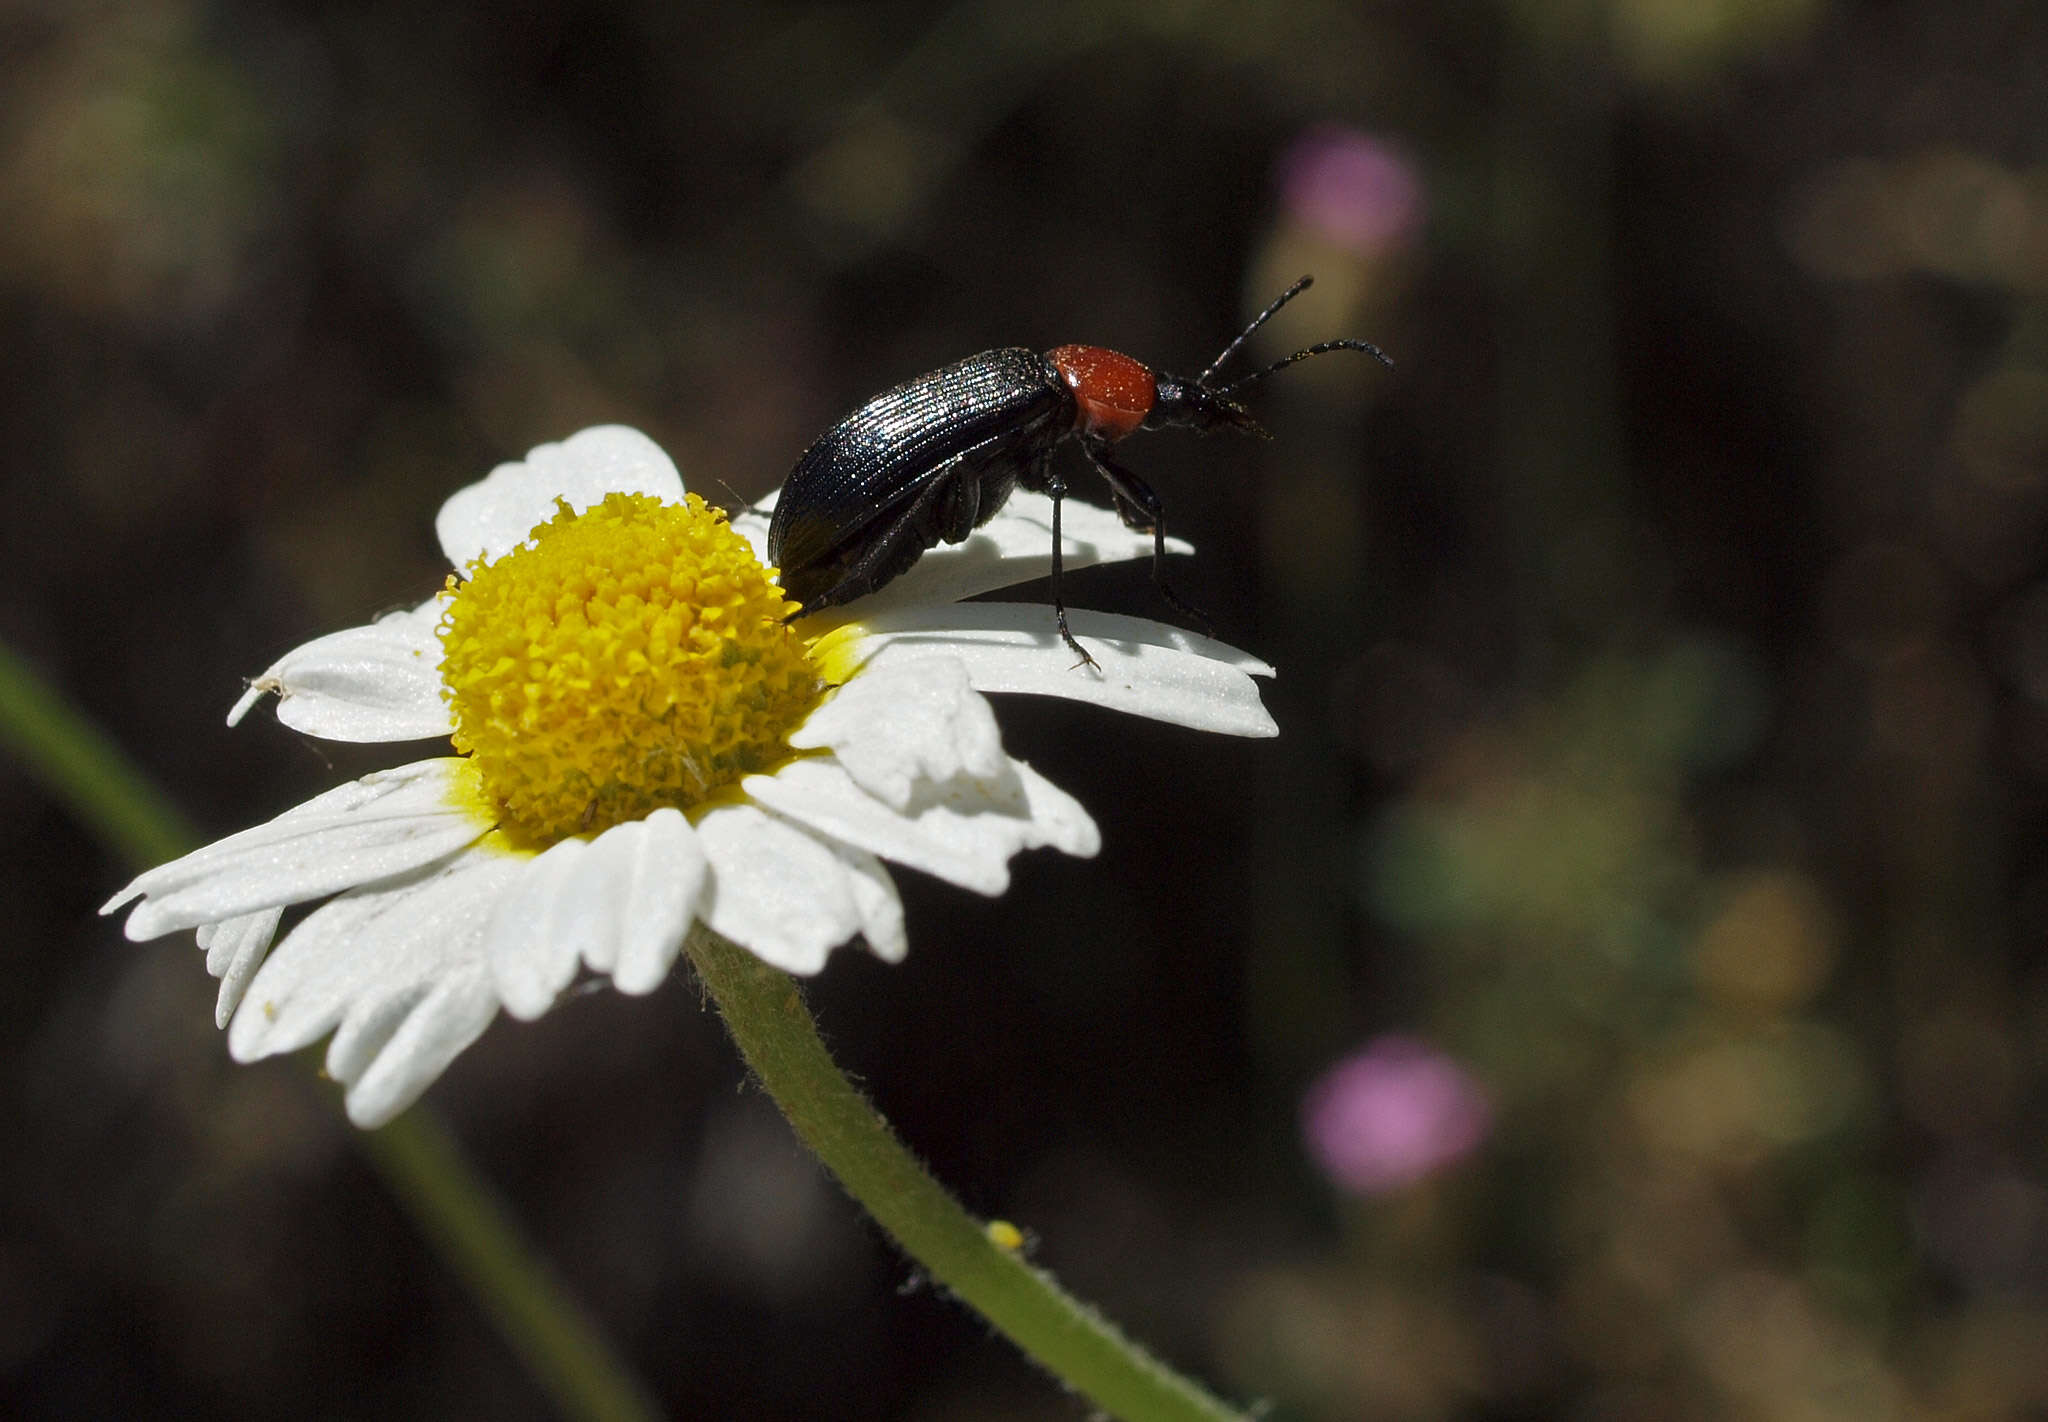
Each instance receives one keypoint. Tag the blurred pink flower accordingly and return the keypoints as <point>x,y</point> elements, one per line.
<point>1350,188</point>
<point>1392,1114</point>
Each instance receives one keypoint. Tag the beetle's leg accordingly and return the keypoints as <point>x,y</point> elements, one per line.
<point>1140,509</point>
<point>1056,489</point>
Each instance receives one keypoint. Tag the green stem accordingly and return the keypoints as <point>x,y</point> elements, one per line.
<point>559,1343</point>
<point>767,1017</point>
<point>85,771</point>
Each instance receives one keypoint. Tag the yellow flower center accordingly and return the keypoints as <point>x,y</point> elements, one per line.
<point>628,657</point>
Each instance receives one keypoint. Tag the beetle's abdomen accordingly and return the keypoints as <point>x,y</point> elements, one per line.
<point>1003,404</point>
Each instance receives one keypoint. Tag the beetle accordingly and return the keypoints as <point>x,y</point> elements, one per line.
<point>931,460</point>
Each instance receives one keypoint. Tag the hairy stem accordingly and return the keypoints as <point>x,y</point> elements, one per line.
<point>768,1019</point>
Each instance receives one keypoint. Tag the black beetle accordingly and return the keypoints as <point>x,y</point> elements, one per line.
<point>934,458</point>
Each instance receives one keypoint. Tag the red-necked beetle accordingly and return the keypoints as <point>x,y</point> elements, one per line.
<point>933,459</point>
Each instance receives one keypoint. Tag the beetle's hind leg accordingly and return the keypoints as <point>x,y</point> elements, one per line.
<point>1141,511</point>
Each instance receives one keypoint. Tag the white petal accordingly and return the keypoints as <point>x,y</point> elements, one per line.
<point>451,1016</point>
<point>899,727</point>
<point>234,951</point>
<point>376,683</point>
<point>279,1016</point>
<point>532,941</point>
<point>777,890</point>
<point>489,519</point>
<point>389,822</point>
<point>1061,822</point>
<point>876,901</point>
<point>1147,668</point>
<point>339,800</point>
<point>962,831</point>
<point>620,904</point>
<point>943,843</point>
<point>435,1031</point>
<point>664,886</point>
<point>1015,547</point>
<point>397,971</point>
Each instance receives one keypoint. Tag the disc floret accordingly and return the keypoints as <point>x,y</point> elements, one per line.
<point>625,658</point>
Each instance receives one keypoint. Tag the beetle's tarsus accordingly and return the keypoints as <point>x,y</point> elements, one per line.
<point>1060,615</point>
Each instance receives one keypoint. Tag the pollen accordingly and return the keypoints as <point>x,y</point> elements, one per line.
<point>626,658</point>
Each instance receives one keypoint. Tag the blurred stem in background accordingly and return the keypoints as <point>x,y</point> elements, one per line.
<point>461,1217</point>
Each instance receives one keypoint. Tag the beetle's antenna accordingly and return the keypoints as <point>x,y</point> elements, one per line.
<point>1261,319</point>
<point>1320,348</point>
<point>746,504</point>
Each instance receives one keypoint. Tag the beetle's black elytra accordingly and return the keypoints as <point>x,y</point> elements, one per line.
<point>931,460</point>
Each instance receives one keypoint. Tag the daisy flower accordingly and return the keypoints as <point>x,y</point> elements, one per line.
<point>646,744</point>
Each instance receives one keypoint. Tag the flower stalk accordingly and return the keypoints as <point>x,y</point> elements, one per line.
<point>766,1014</point>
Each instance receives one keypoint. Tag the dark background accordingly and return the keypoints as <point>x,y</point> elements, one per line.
<point>1663,685</point>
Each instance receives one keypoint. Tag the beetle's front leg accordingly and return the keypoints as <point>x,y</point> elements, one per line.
<point>1140,509</point>
<point>1046,478</point>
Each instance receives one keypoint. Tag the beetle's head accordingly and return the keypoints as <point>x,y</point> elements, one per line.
<point>1189,404</point>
